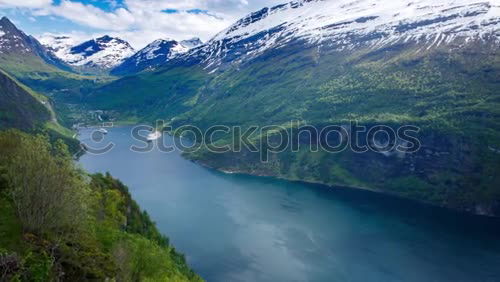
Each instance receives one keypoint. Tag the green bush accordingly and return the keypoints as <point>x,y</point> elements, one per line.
<point>60,223</point>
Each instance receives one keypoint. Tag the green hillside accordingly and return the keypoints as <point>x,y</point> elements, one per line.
<point>59,223</point>
<point>63,87</point>
<point>25,109</point>
<point>19,107</point>
<point>48,79</point>
<point>149,96</point>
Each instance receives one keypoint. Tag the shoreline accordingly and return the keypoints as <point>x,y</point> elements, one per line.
<point>341,187</point>
<point>474,212</point>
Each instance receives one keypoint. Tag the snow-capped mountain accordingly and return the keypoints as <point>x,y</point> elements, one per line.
<point>15,43</point>
<point>351,24</point>
<point>102,53</point>
<point>155,54</point>
<point>12,40</point>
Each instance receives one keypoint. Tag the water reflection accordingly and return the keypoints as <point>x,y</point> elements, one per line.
<point>243,228</point>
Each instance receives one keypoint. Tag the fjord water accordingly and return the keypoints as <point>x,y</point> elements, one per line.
<point>244,228</point>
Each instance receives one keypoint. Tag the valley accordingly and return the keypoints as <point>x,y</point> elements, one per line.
<point>438,74</point>
<point>374,69</point>
<point>322,64</point>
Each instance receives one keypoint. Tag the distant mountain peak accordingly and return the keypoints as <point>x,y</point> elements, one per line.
<point>101,53</point>
<point>4,21</point>
<point>9,29</point>
<point>107,52</point>
<point>105,38</point>
<point>166,39</point>
<point>156,54</point>
<point>15,41</point>
<point>192,43</point>
<point>7,26</point>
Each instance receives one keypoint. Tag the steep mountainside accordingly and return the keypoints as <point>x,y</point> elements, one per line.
<point>155,54</point>
<point>31,63</point>
<point>20,107</point>
<point>431,65</point>
<point>60,224</point>
<point>24,109</point>
<point>350,25</point>
<point>14,42</point>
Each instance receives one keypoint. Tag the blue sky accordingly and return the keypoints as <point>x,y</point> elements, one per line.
<point>137,21</point>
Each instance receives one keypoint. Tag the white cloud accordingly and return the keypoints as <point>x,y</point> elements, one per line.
<point>167,26</point>
<point>142,21</point>
<point>25,3</point>
<point>75,37</point>
<point>90,16</point>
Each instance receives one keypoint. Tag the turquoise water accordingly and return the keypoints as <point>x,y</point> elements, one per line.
<point>244,228</point>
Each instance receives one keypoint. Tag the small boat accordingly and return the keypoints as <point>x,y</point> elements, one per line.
<point>153,136</point>
<point>103,131</point>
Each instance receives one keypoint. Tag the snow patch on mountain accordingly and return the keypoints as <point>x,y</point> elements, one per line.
<point>347,24</point>
<point>14,40</point>
<point>156,54</point>
<point>105,52</point>
<point>317,19</point>
<point>161,47</point>
<point>167,48</point>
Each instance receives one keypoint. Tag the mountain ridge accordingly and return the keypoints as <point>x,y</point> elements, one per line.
<point>115,55</point>
<point>102,53</point>
<point>155,54</point>
<point>348,25</point>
